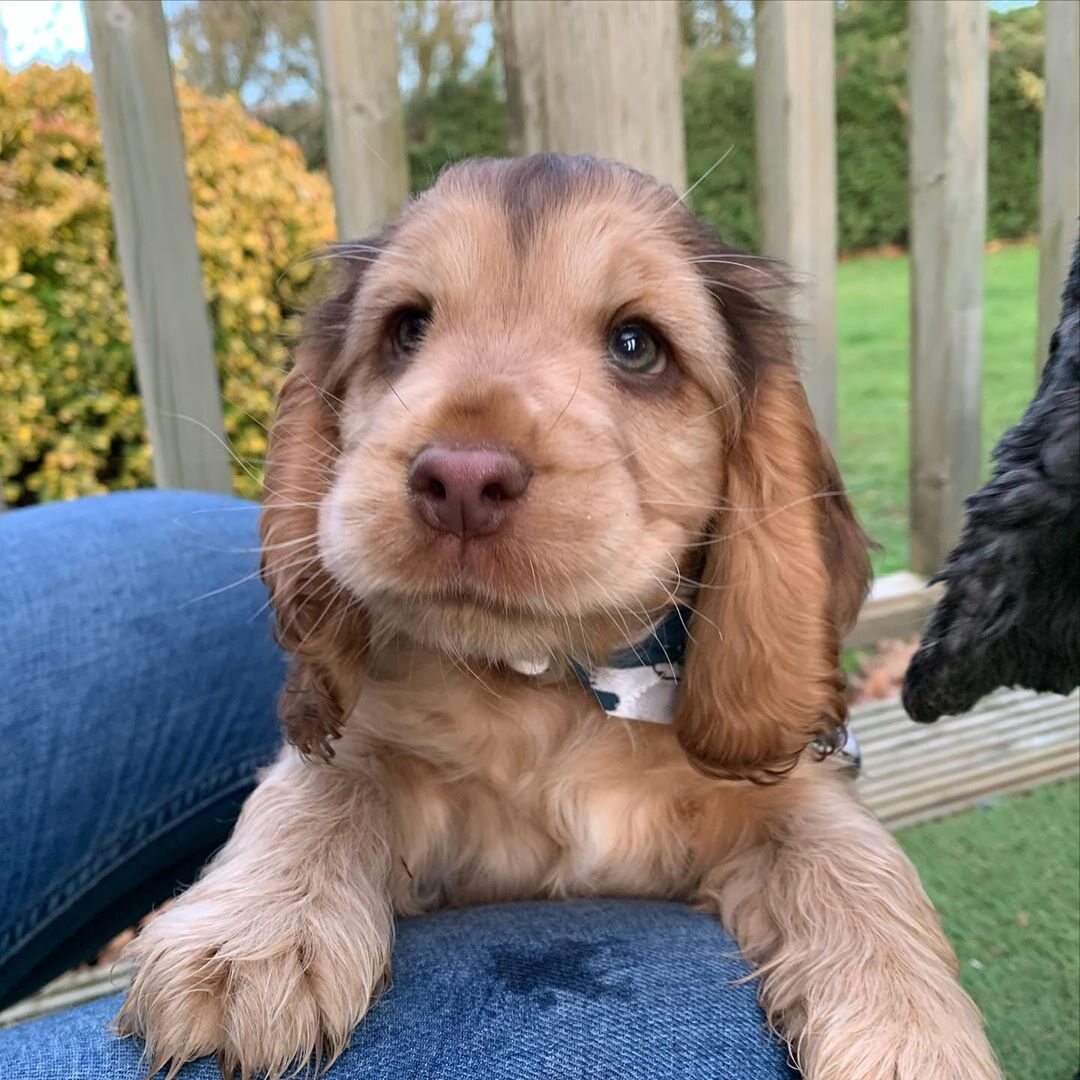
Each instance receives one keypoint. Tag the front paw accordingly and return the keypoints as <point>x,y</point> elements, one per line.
<point>263,987</point>
<point>925,1048</point>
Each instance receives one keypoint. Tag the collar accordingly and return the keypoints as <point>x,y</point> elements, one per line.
<point>641,682</point>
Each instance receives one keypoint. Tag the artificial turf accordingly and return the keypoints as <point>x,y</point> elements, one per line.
<point>872,377</point>
<point>1006,879</point>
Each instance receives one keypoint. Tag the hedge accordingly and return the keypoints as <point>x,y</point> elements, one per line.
<point>71,420</point>
<point>871,129</point>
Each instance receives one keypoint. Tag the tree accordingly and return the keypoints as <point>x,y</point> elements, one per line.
<point>719,25</point>
<point>439,42</point>
<point>264,51</point>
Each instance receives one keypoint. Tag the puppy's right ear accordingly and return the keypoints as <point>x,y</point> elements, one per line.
<point>323,629</point>
<point>786,572</point>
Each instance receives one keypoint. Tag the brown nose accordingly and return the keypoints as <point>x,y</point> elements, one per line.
<point>467,490</point>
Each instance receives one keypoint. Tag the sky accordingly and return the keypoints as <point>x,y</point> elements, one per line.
<point>49,30</point>
<point>53,31</point>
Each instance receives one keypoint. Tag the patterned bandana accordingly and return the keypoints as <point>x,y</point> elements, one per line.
<point>642,682</point>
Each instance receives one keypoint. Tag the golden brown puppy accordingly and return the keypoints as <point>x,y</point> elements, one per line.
<point>545,405</point>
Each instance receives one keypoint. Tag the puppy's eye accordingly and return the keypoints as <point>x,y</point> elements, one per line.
<point>635,350</point>
<point>410,327</point>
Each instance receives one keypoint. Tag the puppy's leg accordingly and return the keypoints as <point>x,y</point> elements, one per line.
<point>855,970</point>
<point>275,953</point>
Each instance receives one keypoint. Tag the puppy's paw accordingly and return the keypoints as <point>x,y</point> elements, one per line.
<point>893,1050</point>
<point>264,988</point>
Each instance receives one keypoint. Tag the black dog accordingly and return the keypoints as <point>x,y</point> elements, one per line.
<point>1010,615</point>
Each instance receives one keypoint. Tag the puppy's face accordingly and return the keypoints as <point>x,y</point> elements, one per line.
<point>545,404</point>
<point>535,395</point>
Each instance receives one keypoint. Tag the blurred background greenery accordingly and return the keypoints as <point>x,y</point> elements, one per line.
<point>264,51</point>
<point>71,421</point>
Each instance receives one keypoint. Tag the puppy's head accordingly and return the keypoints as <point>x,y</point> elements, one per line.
<point>1010,615</point>
<point>545,403</point>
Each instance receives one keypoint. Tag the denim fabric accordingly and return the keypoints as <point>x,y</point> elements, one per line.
<point>137,678</point>
<point>578,990</point>
<point>137,686</point>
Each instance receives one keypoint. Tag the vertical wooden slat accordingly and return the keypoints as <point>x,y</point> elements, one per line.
<point>610,83</point>
<point>795,125</point>
<point>519,29</point>
<point>365,124</point>
<point>1060,167</point>
<point>948,91</point>
<point>155,234</point>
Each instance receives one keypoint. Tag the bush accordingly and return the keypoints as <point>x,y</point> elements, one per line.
<point>71,420</point>
<point>718,109</point>
<point>455,120</point>
<point>1016,103</point>
<point>871,125</point>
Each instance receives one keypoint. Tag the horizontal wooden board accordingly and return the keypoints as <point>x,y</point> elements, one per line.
<point>898,606</point>
<point>1012,741</point>
<point>74,988</point>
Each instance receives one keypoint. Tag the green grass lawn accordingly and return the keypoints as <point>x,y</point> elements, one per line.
<point>1006,879</point>
<point>872,316</point>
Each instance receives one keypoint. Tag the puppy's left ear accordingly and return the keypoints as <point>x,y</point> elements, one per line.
<point>786,572</point>
<point>324,632</point>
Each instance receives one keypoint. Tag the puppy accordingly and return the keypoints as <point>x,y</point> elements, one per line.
<point>1010,615</point>
<point>547,414</point>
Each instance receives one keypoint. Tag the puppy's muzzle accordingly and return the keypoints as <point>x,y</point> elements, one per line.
<point>467,490</point>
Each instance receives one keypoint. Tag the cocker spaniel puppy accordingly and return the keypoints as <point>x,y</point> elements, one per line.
<point>548,425</point>
<point>1010,615</point>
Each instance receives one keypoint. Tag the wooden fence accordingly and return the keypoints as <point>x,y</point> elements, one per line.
<point>569,89</point>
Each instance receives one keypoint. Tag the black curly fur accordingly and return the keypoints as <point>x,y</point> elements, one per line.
<point>1010,615</point>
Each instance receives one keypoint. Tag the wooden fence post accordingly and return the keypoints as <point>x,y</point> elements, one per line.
<point>365,124</point>
<point>519,29</point>
<point>1060,164</point>
<point>795,126</point>
<point>155,235</point>
<point>610,83</point>
<point>948,94</point>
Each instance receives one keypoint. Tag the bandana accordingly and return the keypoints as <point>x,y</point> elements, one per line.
<point>642,682</point>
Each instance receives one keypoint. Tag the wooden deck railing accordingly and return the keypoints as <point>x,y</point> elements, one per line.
<point>603,76</point>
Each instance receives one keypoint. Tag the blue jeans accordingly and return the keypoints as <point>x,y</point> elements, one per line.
<point>137,685</point>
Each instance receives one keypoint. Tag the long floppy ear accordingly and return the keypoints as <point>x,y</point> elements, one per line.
<point>324,631</point>
<point>785,574</point>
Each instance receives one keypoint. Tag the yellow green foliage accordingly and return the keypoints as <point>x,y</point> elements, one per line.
<point>71,421</point>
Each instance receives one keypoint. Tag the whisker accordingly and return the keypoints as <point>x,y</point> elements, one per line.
<point>217,438</point>
<point>240,408</point>
<point>766,517</point>
<point>217,592</point>
<point>713,260</point>
<point>704,176</point>
<point>234,584</point>
<point>283,544</point>
<point>393,390</point>
<point>328,605</point>
<point>573,394</point>
<point>326,396</point>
